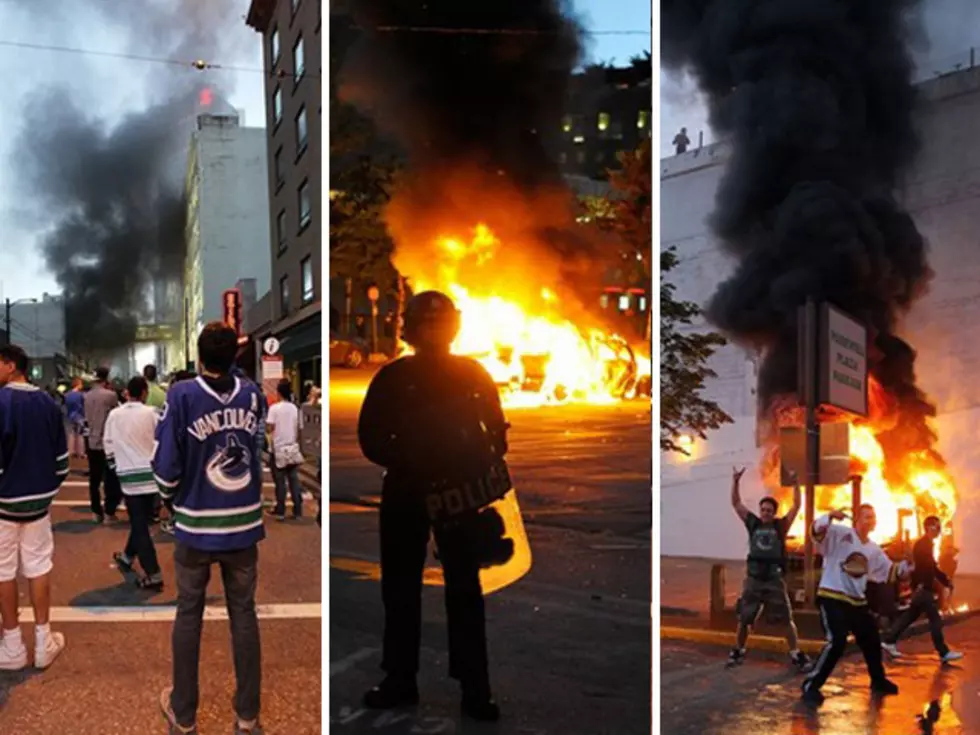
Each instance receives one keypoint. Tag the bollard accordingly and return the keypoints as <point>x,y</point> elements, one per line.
<point>717,590</point>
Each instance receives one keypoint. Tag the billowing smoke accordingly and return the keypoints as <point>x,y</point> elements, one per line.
<point>816,101</point>
<point>109,196</point>
<point>469,106</point>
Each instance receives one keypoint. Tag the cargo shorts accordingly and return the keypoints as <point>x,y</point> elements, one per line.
<point>770,595</point>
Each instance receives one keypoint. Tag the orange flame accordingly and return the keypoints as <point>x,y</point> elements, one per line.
<point>535,353</point>
<point>919,487</point>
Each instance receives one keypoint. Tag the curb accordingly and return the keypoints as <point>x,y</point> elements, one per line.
<point>775,644</point>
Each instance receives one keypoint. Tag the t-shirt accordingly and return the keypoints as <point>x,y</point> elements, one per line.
<point>156,396</point>
<point>284,416</point>
<point>767,545</point>
<point>75,406</point>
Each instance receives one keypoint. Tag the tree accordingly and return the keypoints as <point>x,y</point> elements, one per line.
<point>684,354</point>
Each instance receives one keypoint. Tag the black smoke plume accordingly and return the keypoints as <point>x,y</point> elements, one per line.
<point>469,90</point>
<point>109,197</point>
<point>815,99</point>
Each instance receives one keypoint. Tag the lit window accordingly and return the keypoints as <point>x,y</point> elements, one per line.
<point>603,123</point>
<point>578,139</point>
<point>301,132</point>
<point>305,205</point>
<point>284,295</point>
<point>624,302</point>
<point>281,230</point>
<point>643,303</point>
<point>299,59</point>
<point>306,275</point>
<point>604,301</point>
<point>277,106</point>
<point>642,119</point>
<point>280,173</point>
<point>566,124</point>
<point>274,46</point>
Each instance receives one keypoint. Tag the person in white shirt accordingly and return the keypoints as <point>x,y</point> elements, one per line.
<point>129,444</point>
<point>850,559</point>
<point>282,424</point>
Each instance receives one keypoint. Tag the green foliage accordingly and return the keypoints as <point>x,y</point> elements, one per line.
<point>684,356</point>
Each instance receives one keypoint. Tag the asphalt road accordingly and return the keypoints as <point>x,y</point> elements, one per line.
<point>570,642</point>
<point>700,697</point>
<point>117,659</point>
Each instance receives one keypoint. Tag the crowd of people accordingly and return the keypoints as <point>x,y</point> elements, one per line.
<point>193,449</point>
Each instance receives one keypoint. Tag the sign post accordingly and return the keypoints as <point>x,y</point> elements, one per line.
<point>272,367</point>
<point>373,294</point>
<point>833,371</point>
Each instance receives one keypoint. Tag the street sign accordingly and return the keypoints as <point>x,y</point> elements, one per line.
<point>271,346</point>
<point>843,355</point>
<point>232,300</point>
<point>272,373</point>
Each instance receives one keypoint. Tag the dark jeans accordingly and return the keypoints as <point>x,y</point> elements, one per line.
<point>405,529</point>
<point>290,476</point>
<point>98,469</point>
<point>140,543</point>
<point>923,601</point>
<point>239,573</point>
<point>840,618</point>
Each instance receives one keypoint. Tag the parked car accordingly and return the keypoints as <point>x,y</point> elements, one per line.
<point>347,352</point>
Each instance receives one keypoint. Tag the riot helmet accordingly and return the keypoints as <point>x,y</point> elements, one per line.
<point>431,321</point>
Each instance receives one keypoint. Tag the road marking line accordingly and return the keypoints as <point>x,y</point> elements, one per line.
<point>348,662</point>
<point>166,613</point>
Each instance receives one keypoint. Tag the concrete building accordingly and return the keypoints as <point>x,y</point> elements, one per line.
<point>227,218</point>
<point>609,110</point>
<point>943,194</point>
<point>292,59</point>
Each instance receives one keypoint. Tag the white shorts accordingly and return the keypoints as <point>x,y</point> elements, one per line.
<point>32,544</point>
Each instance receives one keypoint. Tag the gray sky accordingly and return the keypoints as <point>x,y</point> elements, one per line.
<point>107,87</point>
<point>951,27</point>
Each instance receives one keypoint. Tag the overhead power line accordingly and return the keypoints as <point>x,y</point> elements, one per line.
<point>195,64</point>
<point>499,31</point>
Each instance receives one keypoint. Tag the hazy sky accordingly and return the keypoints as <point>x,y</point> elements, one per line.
<point>109,87</point>
<point>950,28</point>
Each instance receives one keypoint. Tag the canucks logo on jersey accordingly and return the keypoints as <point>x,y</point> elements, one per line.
<point>229,469</point>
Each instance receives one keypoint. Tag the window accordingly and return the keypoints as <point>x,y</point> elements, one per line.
<point>301,132</point>
<point>305,205</point>
<point>603,121</point>
<point>274,46</point>
<point>566,124</point>
<point>642,119</point>
<point>306,275</point>
<point>277,107</point>
<point>284,295</point>
<point>299,60</point>
<point>604,301</point>
<point>624,302</point>
<point>643,303</point>
<point>279,171</point>
<point>281,231</point>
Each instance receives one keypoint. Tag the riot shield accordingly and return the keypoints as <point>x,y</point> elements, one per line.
<point>493,578</point>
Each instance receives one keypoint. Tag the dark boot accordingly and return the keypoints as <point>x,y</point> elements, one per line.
<point>884,686</point>
<point>478,704</point>
<point>393,692</point>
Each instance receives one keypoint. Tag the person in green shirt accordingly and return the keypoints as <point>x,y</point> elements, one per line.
<point>157,396</point>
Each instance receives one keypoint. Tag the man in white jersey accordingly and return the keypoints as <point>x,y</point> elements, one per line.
<point>850,559</point>
<point>129,444</point>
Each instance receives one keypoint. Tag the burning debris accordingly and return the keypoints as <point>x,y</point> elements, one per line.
<point>816,101</point>
<point>482,212</point>
<point>110,197</point>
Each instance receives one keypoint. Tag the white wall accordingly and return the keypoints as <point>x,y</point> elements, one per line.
<point>943,193</point>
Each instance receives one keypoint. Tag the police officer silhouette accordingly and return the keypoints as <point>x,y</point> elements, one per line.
<point>433,420</point>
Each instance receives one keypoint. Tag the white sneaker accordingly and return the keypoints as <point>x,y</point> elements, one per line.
<point>44,655</point>
<point>951,656</point>
<point>13,659</point>
<point>891,649</point>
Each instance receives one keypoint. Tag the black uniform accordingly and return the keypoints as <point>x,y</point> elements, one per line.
<point>435,423</point>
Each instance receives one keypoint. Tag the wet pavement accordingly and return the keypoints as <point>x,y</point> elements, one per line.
<point>699,696</point>
<point>117,659</point>
<point>570,642</point>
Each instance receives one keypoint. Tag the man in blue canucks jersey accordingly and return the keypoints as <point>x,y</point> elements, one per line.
<point>208,461</point>
<point>33,465</point>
